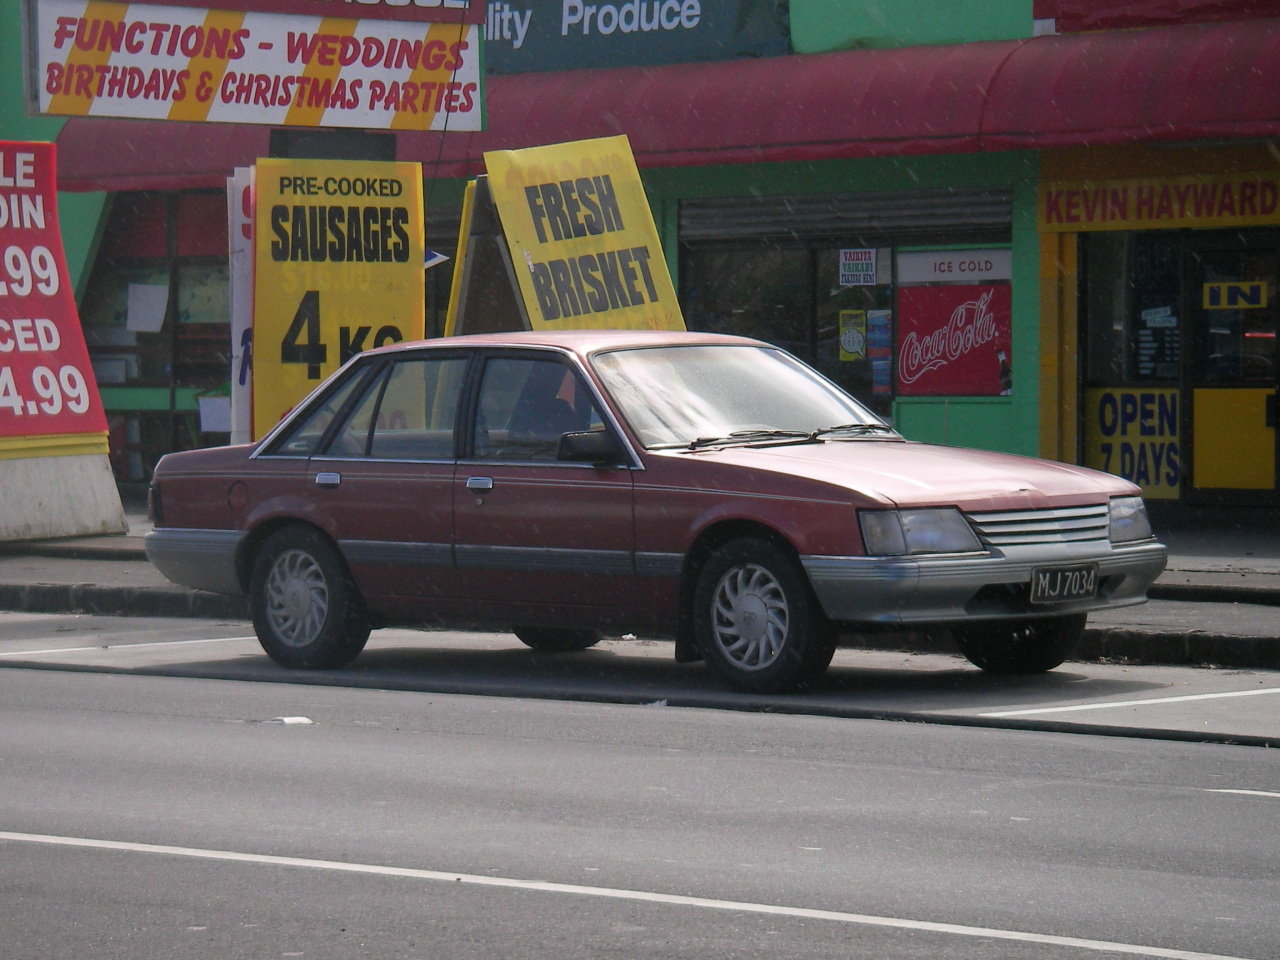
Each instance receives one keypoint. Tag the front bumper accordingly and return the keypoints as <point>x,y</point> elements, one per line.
<point>989,586</point>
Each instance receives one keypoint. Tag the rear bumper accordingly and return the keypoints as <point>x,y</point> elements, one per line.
<point>203,559</point>
<point>906,590</point>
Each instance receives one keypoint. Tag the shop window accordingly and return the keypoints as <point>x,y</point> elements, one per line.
<point>202,357</point>
<point>761,292</point>
<point>1235,333</point>
<point>853,338</point>
<point>127,349</point>
<point>1132,307</point>
<point>157,328</point>
<point>793,297</point>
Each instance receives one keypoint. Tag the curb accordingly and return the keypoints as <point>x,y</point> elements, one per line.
<point>1099,643</point>
<point>1214,593</point>
<point>1178,649</point>
<point>122,601</point>
<point>79,550</point>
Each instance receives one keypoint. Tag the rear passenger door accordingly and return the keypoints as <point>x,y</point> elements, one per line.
<point>383,483</point>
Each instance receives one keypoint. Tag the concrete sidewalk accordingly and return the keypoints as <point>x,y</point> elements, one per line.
<point>1217,603</point>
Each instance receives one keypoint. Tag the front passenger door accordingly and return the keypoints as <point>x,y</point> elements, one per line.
<point>533,532</point>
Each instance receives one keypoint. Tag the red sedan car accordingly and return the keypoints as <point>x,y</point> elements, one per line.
<point>708,487</point>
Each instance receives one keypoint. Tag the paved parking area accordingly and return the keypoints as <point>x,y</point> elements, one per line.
<point>1118,698</point>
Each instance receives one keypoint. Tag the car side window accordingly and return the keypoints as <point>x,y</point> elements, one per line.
<point>303,438</point>
<point>408,414</point>
<point>526,405</point>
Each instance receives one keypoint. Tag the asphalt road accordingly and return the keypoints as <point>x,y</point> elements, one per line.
<point>164,816</point>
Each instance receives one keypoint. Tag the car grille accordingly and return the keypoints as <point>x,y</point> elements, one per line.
<point>1064,525</point>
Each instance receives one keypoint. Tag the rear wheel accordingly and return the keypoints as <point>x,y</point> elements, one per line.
<point>306,611</point>
<point>556,640</point>
<point>756,620</point>
<point>1020,646</point>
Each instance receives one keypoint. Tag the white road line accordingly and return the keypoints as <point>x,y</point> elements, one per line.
<point>1246,793</point>
<point>119,646</point>
<point>612,893</point>
<point>1133,703</point>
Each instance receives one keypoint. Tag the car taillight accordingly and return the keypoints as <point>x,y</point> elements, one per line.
<point>155,512</point>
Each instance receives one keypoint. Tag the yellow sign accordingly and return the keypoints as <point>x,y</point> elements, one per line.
<point>1150,203</point>
<point>1241,295</point>
<point>1235,446</point>
<point>582,236</point>
<point>1135,434</point>
<point>853,335</point>
<point>339,263</point>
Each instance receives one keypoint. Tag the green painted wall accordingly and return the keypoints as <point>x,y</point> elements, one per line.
<point>996,423</point>
<point>819,26</point>
<point>80,215</point>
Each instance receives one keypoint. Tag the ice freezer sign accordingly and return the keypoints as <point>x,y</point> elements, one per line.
<point>339,256</point>
<point>582,237</point>
<point>46,384</point>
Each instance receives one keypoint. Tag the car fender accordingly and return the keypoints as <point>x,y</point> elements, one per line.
<point>810,525</point>
<point>270,515</point>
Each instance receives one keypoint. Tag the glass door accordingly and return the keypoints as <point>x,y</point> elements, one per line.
<point>1231,301</point>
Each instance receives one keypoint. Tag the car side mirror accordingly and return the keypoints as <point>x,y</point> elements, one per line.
<point>590,446</point>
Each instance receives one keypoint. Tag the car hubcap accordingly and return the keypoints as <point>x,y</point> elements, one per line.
<point>750,617</point>
<point>297,598</point>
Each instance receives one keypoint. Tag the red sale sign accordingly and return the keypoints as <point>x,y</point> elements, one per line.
<point>46,383</point>
<point>954,340</point>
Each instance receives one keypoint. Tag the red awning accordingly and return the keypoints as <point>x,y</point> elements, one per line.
<point>1217,81</point>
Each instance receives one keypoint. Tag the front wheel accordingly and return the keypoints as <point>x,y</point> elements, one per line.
<point>1020,646</point>
<point>756,620</point>
<point>306,611</point>
<point>554,640</point>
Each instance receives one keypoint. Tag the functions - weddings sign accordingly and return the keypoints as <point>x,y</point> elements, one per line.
<point>261,61</point>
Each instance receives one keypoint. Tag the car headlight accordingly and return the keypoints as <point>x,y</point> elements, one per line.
<point>895,533</point>
<point>1129,520</point>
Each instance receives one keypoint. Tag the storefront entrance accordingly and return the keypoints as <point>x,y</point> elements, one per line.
<point>1231,393</point>
<point>1180,375</point>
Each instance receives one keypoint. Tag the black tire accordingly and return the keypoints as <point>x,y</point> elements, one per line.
<point>1020,646</point>
<point>306,611</point>
<point>553,640</point>
<point>756,620</point>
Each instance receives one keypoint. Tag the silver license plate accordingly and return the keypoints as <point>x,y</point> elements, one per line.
<point>1059,584</point>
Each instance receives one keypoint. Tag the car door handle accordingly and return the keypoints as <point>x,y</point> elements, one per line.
<point>479,484</point>
<point>328,479</point>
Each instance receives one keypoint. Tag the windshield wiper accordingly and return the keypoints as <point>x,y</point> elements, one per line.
<point>854,429</point>
<point>751,436</point>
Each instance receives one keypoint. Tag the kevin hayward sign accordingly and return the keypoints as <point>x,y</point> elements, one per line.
<point>954,340</point>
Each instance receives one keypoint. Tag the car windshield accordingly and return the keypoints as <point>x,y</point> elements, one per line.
<point>699,395</point>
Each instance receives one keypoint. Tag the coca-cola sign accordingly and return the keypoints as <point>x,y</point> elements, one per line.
<point>954,340</point>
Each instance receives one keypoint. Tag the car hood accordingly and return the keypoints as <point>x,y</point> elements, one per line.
<point>895,472</point>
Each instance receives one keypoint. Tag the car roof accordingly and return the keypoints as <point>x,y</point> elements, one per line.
<point>582,342</point>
